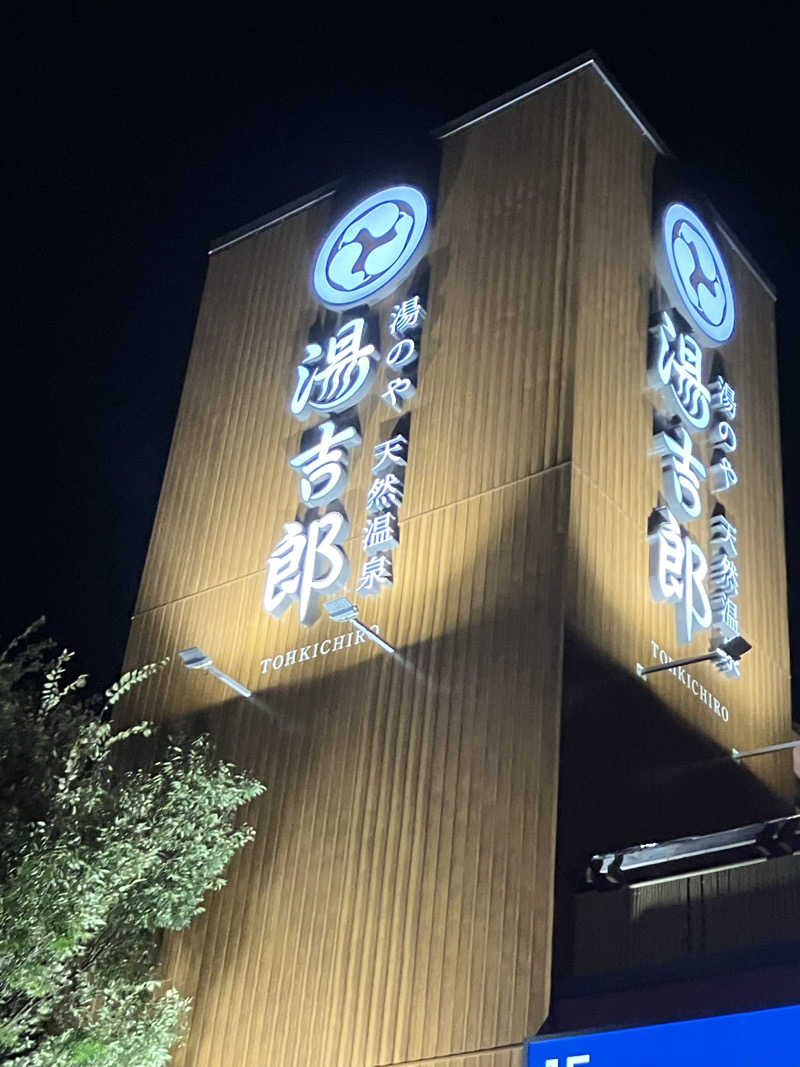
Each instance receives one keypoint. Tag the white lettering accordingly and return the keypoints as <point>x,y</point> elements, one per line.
<point>307,563</point>
<point>681,471</point>
<point>661,655</point>
<point>297,655</point>
<point>339,378</point>
<point>323,462</point>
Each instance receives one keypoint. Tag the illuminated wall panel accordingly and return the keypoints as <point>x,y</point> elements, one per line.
<point>397,903</point>
<point>616,482</point>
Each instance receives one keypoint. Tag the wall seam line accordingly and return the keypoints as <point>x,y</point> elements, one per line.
<point>402,522</point>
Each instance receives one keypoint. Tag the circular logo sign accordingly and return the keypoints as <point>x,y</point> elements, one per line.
<point>697,274</point>
<point>372,248</point>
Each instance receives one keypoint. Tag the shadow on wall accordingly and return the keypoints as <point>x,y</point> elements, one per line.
<point>720,942</point>
<point>633,772</point>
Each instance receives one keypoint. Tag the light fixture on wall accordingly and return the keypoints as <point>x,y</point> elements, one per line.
<point>735,649</point>
<point>737,755</point>
<point>341,609</point>
<point>195,659</point>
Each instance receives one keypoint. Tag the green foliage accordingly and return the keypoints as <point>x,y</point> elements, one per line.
<point>97,856</point>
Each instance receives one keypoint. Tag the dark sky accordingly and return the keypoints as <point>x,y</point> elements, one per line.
<point>130,141</point>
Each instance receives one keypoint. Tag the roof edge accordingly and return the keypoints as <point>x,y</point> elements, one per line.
<point>271,218</point>
<point>752,265</point>
<point>564,70</point>
<point>592,60</point>
<point>584,60</point>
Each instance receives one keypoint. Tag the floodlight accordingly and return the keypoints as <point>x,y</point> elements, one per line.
<point>737,755</point>
<point>195,659</point>
<point>341,609</point>
<point>735,648</point>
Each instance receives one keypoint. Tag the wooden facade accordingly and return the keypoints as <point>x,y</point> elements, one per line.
<point>397,904</point>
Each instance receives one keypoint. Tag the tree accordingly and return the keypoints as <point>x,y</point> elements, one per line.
<point>98,855</point>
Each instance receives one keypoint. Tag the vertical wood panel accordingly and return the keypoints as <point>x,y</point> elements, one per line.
<point>616,482</point>
<point>227,485</point>
<point>396,903</point>
<point>493,402</point>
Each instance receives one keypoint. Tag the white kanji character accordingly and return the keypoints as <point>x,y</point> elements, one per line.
<point>677,572</point>
<point>725,614</point>
<point>385,494</point>
<point>723,535</point>
<point>402,354</point>
<point>375,574</point>
<point>681,471</point>
<point>723,437</point>
<point>723,397</point>
<point>380,534</point>
<point>727,665</point>
<point>283,569</point>
<point>345,378</point>
<point>694,613</point>
<point>723,574</point>
<point>307,563</point>
<point>723,476</point>
<point>676,367</point>
<point>393,452</point>
<point>323,464</point>
<point>406,317</point>
<point>398,391</point>
<point>666,556</point>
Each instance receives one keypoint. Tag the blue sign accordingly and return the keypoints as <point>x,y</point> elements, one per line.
<point>752,1039</point>
<point>372,248</point>
<point>697,274</point>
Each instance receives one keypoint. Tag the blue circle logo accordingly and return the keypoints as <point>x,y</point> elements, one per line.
<point>372,248</point>
<point>698,274</point>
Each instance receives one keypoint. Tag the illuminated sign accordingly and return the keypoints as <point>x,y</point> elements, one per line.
<point>309,562</point>
<point>689,406</point>
<point>695,276</point>
<point>767,1038</point>
<point>372,248</point>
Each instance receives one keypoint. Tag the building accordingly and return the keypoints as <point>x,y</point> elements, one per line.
<point>534,487</point>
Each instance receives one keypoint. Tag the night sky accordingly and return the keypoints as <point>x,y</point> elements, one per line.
<point>131,142</point>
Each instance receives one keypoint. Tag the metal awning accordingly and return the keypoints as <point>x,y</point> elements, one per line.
<point>687,856</point>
